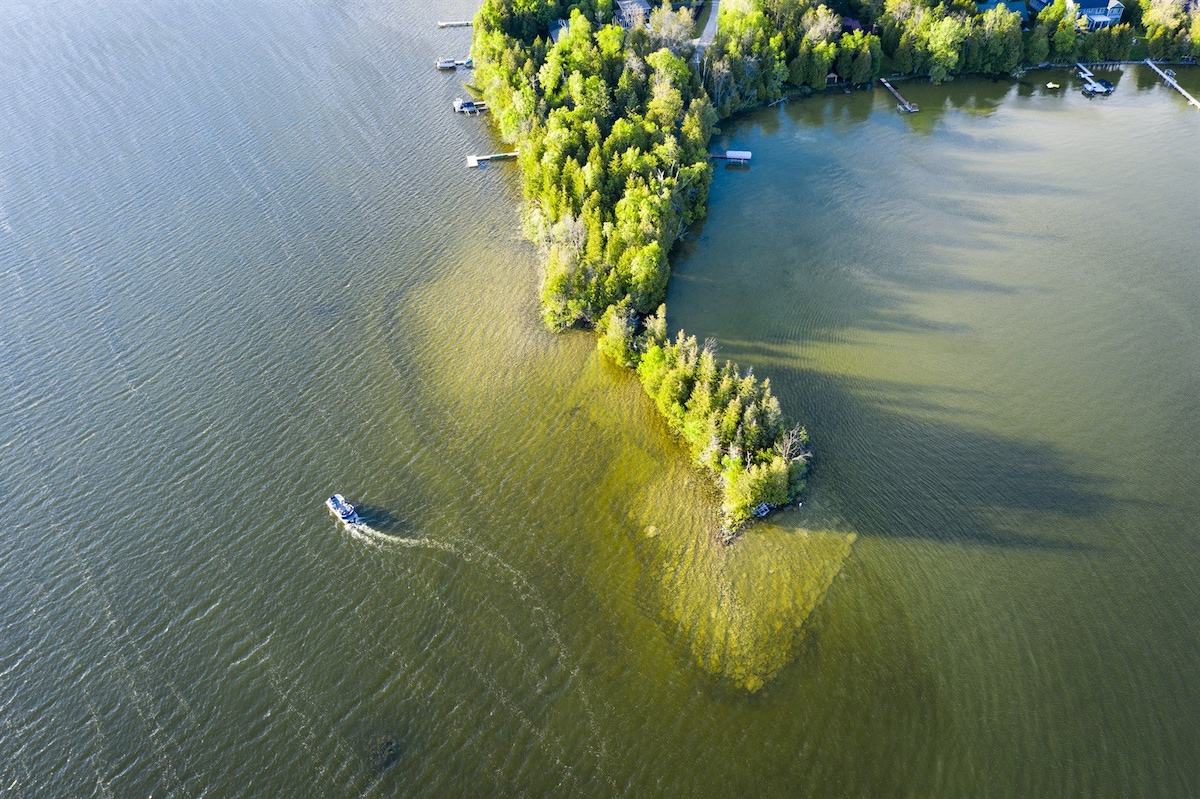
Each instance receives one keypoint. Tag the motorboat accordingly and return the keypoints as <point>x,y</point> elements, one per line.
<point>445,63</point>
<point>1052,85</point>
<point>342,509</point>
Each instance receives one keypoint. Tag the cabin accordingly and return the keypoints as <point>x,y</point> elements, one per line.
<point>632,13</point>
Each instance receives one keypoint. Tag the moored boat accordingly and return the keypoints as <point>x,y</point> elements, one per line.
<point>342,509</point>
<point>445,63</point>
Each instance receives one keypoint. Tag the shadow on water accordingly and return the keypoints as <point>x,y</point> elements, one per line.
<point>941,481</point>
<point>923,467</point>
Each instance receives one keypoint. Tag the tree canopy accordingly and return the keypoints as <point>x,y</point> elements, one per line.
<point>612,129</point>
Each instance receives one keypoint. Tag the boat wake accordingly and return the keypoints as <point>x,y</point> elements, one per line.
<point>365,532</point>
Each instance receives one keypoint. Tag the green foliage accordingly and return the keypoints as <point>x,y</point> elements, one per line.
<point>617,328</point>
<point>612,128</point>
<point>944,39</point>
<point>1172,31</point>
<point>1037,46</point>
<point>730,420</point>
<point>612,133</point>
<point>762,45</point>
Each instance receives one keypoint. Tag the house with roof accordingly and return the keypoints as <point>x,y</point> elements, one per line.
<point>1095,13</point>
<point>631,13</point>
<point>1098,13</point>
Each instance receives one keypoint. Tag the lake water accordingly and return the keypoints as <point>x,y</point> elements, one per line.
<point>243,266</point>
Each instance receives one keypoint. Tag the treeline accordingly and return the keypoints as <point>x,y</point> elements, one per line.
<point>1172,31</point>
<point>943,40</point>
<point>612,127</point>
<point>763,45</point>
<point>949,37</point>
<point>1057,36</point>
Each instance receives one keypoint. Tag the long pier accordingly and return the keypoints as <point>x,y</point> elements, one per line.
<point>1173,83</point>
<point>905,105</point>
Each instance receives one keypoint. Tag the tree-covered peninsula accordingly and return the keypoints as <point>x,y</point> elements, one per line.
<point>612,127</point>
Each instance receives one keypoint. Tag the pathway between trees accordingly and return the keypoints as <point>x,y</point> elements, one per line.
<point>710,27</point>
<point>709,33</point>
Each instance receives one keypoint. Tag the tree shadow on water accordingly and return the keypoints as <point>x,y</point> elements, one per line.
<point>902,464</point>
<point>907,456</point>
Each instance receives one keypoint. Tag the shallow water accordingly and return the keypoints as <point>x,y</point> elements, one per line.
<point>243,267</point>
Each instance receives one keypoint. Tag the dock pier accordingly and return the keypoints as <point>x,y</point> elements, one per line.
<point>1170,81</point>
<point>479,160</point>
<point>905,105</point>
<point>734,156</point>
<point>1090,84</point>
<point>469,107</point>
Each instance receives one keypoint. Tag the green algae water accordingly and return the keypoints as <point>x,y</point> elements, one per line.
<point>243,266</point>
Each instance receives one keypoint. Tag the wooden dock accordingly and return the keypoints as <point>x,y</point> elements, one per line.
<point>1173,83</point>
<point>466,23</point>
<point>478,160</point>
<point>905,105</point>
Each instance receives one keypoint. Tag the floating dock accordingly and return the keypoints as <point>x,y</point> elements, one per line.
<point>905,105</point>
<point>733,156</point>
<point>466,23</point>
<point>1170,80</point>
<point>479,160</point>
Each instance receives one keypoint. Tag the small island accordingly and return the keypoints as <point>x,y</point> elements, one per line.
<point>612,107</point>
